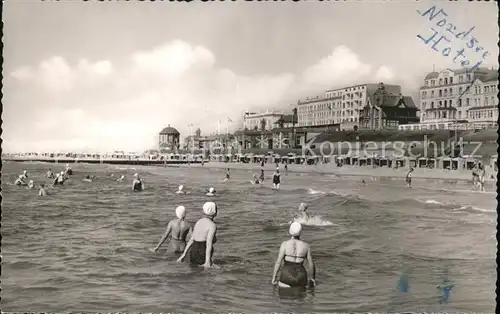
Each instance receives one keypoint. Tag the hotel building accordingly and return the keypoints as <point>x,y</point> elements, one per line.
<point>343,106</point>
<point>261,121</point>
<point>458,99</point>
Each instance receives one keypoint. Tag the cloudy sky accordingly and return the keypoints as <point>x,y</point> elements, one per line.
<point>104,76</point>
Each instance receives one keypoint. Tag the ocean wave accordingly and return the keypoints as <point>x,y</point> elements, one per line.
<point>470,208</point>
<point>313,192</point>
<point>312,221</point>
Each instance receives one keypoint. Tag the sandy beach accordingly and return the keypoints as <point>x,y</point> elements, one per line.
<point>448,176</point>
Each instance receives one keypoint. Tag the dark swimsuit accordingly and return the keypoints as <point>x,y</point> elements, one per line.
<point>276,179</point>
<point>138,186</point>
<point>294,274</point>
<point>197,252</point>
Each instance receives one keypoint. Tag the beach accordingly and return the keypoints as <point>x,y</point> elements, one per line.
<point>85,247</point>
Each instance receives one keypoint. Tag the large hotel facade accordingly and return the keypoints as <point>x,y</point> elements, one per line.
<point>366,106</point>
<point>458,99</point>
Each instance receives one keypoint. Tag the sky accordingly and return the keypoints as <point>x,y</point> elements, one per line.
<point>104,76</point>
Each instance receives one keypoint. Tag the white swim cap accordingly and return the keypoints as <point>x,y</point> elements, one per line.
<point>295,229</point>
<point>25,171</point>
<point>31,181</point>
<point>211,190</point>
<point>210,209</point>
<point>136,175</point>
<point>180,212</point>
<point>303,207</point>
<point>62,172</point>
<point>20,176</point>
<point>181,187</point>
<point>67,165</point>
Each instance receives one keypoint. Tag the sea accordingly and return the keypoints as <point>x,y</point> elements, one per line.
<point>378,247</point>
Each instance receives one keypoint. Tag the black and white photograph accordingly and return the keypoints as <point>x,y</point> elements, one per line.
<point>249,156</point>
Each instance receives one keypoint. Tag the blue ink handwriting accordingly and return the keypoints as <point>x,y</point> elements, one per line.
<point>442,36</point>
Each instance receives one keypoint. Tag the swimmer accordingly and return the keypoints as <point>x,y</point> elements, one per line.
<point>137,184</point>
<point>120,179</point>
<point>68,170</point>
<point>180,190</point>
<point>227,175</point>
<point>179,228</point>
<point>50,174</point>
<point>25,174</point>
<point>293,253</point>
<point>88,178</point>
<point>255,180</point>
<point>408,177</point>
<point>261,178</point>
<point>56,179</point>
<point>20,181</point>
<point>363,181</point>
<point>276,179</point>
<point>211,192</point>
<point>41,190</point>
<point>203,238</point>
<point>303,211</point>
<point>286,168</point>
<point>31,184</point>
<point>61,178</point>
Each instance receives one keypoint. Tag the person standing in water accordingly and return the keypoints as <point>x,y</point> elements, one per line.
<point>286,167</point>
<point>179,228</point>
<point>137,184</point>
<point>25,174</point>
<point>255,180</point>
<point>31,184</point>
<point>50,174</point>
<point>293,253</point>
<point>481,177</point>
<point>20,180</point>
<point>61,178</point>
<point>408,177</point>
<point>227,175</point>
<point>180,190</point>
<point>203,238</point>
<point>41,190</point>
<point>276,179</point>
<point>303,211</point>
<point>211,192</point>
<point>261,178</point>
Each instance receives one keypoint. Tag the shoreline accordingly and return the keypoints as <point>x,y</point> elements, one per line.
<point>420,174</point>
<point>433,175</point>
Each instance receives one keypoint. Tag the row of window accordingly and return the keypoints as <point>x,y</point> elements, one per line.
<point>449,102</point>
<point>449,80</point>
<point>324,121</point>
<point>481,114</point>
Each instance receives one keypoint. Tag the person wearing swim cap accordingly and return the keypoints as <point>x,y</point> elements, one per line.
<point>293,253</point>
<point>68,170</point>
<point>20,180</point>
<point>61,178</point>
<point>203,238</point>
<point>179,229</point>
<point>211,192</point>
<point>180,190</point>
<point>303,210</point>
<point>25,174</point>
<point>120,179</point>
<point>228,174</point>
<point>137,184</point>
<point>31,184</point>
<point>41,190</point>
<point>277,179</point>
<point>50,174</point>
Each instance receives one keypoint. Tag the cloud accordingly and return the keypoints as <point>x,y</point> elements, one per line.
<point>100,106</point>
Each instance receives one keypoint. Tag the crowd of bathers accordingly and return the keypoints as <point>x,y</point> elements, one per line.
<point>292,256</point>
